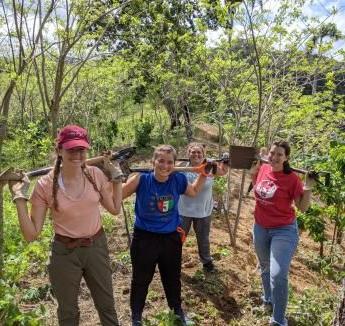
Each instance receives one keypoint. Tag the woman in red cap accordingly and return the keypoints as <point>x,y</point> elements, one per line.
<point>73,191</point>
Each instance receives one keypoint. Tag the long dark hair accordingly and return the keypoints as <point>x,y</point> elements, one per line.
<point>285,145</point>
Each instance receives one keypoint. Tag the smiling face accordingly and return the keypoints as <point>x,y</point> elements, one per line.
<point>276,157</point>
<point>74,157</point>
<point>196,155</point>
<point>163,164</point>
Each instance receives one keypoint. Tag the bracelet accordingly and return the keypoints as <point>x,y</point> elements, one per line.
<point>117,179</point>
<point>15,197</point>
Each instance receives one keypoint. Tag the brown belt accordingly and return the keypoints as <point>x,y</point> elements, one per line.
<point>71,243</point>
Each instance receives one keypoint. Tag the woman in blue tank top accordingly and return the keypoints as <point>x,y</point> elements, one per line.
<point>155,239</point>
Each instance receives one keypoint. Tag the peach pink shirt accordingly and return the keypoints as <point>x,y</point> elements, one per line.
<point>76,217</point>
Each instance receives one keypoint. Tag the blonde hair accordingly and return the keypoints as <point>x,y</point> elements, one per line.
<point>199,145</point>
<point>164,149</point>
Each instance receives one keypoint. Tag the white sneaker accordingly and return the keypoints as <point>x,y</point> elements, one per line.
<point>274,323</point>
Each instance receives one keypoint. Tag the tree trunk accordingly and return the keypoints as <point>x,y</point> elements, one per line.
<point>172,111</point>
<point>187,123</point>
<point>339,319</point>
<point>321,249</point>
<point>4,109</point>
<point>238,213</point>
<point>1,233</point>
<point>339,235</point>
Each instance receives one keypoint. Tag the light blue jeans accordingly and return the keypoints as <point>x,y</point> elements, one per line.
<point>275,248</point>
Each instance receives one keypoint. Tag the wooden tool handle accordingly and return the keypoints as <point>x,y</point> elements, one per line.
<point>185,169</point>
<point>293,169</point>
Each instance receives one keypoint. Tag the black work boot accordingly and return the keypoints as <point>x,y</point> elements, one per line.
<point>208,267</point>
<point>136,318</point>
<point>179,312</point>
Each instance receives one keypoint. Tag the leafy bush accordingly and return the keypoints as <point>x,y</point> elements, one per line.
<point>143,131</point>
<point>313,307</point>
<point>10,314</point>
<point>313,221</point>
<point>28,147</point>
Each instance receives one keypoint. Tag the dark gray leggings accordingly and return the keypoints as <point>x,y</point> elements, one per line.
<point>201,228</point>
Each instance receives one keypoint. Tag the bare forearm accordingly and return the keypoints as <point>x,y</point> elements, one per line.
<point>222,169</point>
<point>25,222</point>
<point>117,196</point>
<point>197,185</point>
<point>304,201</point>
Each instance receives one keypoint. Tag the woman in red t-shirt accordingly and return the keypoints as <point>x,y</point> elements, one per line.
<point>275,233</point>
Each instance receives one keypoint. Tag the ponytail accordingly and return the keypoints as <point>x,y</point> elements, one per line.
<point>56,172</point>
<point>286,167</point>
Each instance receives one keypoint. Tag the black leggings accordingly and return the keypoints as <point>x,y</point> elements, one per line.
<point>147,250</point>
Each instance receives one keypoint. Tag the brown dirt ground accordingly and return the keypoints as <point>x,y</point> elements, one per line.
<point>220,298</point>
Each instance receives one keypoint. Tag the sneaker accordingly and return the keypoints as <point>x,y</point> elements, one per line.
<point>183,318</point>
<point>274,323</point>
<point>208,267</point>
<point>136,323</point>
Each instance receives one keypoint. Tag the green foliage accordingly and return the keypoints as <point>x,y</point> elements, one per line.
<point>219,186</point>
<point>10,314</point>
<point>143,131</point>
<point>313,307</point>
<point>166,318</point>
<point>161,52</point>
<point>34,295</point>
<point>328,267</point>
<point>124,257</point>
<point>313,221</point>
<point>176,137</point>
<point>20,260</point>
<point>221,252</point>
<point>108,222</point>
<point>28,147</point>
<point>334,194</point>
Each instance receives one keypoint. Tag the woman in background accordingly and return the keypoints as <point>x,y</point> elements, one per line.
<point>198,209</point>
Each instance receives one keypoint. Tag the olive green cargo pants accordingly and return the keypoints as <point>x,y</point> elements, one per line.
<point>68,266</point>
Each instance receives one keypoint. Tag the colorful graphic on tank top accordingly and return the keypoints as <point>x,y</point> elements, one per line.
<point>165,203</point>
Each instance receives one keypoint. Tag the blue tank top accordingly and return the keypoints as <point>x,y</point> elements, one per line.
<point>156,204</point>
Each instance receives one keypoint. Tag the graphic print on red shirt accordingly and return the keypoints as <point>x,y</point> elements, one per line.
<point>274,194</point>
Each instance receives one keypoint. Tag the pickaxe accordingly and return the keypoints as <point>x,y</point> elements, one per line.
<point>121,155</point>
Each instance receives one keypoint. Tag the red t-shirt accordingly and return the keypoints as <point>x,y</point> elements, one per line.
<point>274,194</point>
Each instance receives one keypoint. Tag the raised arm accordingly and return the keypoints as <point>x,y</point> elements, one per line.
<point>194,188</point>
<point>254,170</point>
<point>222,169</point>
<point>303,202</point>
<point>130,186</point>
<point>113,172</point>
<point>30,224</point>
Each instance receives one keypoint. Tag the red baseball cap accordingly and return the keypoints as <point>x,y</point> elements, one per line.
<point>73,136</point>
